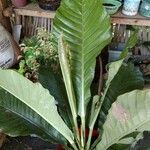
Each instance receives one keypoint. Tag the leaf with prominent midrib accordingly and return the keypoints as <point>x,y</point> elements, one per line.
<point>17,119</point>
<point>35,97</point>
<point>130,113</point>
<point>86,28</point>
<point>127,78</point>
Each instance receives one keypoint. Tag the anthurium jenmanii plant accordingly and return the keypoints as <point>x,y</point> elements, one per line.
<point>61,107</point>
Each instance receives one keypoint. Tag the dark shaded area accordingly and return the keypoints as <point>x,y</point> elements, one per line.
<point>32,143</point>
<point>143,144</point>
<point>27,143</point>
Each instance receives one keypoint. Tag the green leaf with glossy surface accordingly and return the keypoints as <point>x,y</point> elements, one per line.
<point>86,28</point>
<point>127,78</point>
<point>17,119</point>
<point>125,117</point>
<point>119,147</point>
<point>35,97</point>
<point>113,69</point>
<point>128,140</point>
<point>53,81</point>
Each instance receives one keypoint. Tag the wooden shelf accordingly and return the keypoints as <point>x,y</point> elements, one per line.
<point>118,18</point>
<point>34,10</point>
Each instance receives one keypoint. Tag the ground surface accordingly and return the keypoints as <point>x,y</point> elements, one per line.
<point>28,143</point>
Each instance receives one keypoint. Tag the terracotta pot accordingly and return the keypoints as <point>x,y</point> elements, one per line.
<point>19,3</point>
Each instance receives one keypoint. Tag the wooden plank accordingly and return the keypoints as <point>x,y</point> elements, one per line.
<point>34,10</point>
<point>119,18</point>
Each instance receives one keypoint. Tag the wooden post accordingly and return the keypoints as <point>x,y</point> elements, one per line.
<point>3,20</point>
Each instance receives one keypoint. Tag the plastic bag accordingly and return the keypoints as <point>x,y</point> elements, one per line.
<point>9,49</point>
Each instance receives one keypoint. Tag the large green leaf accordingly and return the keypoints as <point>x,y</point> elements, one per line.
<point>86,28</point>
<point>127,78</point>
<point>53,81</point>
<point>130,113</point>
<point>35,97</point>
<point>17,119</point>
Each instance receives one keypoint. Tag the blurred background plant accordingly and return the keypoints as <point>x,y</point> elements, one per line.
<point>33,1</point>
<point>36,51</point>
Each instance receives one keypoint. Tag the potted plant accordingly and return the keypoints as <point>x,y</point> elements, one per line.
<point>49,4</point>
<point>19,3</point>
<point>62,103</point>
<point>36,51</point>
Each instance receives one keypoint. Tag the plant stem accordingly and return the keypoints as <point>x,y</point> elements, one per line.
<point>66,147</point>
<point>77,136</point>
<point>83,132</point>
<point>95,143</point>
<point>101,103</point>
<point>74,147</point>
<point>99,93</point>
<point>89,139</point>
<point>95,109</point>
<point>100,76</point>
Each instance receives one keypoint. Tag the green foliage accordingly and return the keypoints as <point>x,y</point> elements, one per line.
<point>53,81</point>
<point>125,117</point>
<point>33,1</point>
<point>23,120</point>
<point>56,108</point>
<point>86,29</point>
<point>127,78</point>
<point>37,51</point>
<point>132,41</point>
<point>36,98</point>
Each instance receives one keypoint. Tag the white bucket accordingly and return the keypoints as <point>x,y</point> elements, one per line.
<point>130,7</point>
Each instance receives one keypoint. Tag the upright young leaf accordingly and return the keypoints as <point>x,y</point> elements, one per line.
<point>125,117</point>
<point>86,28</point>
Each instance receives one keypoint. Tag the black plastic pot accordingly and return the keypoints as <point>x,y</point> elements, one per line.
<point>49,4</point>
